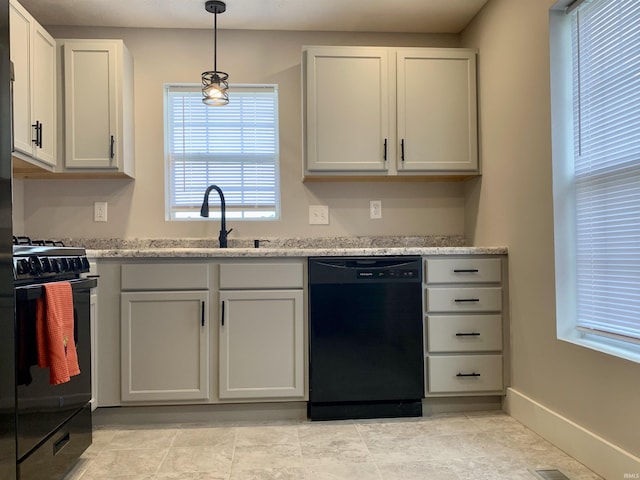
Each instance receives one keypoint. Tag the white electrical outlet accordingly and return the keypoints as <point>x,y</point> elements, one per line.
<point>375,209</point>
<point>318,215</point>
<point>100,212</point>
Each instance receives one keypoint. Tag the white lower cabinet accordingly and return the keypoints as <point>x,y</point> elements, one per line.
<point>165,338</point>
<point>464,333</point>
<point>465,373</point>
<point>261,331</point>
<point>164,332</point>
<point>261,344</point>
<point>465,326</point>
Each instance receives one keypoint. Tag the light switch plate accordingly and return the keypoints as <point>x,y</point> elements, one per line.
<point>318,215</point>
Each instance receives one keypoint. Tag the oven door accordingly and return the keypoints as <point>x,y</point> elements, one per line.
<point>42,407</point>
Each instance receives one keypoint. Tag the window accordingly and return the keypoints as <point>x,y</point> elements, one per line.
<point>597,173</point>
<point>234,147</point>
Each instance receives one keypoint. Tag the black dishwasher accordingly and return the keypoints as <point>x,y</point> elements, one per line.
<point>365,337</point>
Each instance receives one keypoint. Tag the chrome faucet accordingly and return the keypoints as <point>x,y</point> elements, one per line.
<point>204,212</point>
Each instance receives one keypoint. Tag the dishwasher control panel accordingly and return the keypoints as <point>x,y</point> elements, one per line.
<point>387,274</point>
<point>345,270</point>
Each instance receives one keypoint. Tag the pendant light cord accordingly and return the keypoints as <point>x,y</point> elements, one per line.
<point>215,41</point>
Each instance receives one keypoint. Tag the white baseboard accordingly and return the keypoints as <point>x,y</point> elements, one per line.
<point>596,453</point>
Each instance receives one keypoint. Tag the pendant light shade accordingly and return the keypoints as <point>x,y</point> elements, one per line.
<point>214,83</point>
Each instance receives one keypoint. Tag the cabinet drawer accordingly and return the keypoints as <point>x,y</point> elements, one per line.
<point>240,276</point>
<point>465,373</point>
<point>464,333</point>
<point>473,299</point>
<point>464,270</point>
<point>165,276</point>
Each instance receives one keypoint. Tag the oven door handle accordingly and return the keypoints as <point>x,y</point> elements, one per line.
<point>33,292</point>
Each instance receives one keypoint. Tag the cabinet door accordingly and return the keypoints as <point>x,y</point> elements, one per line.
<point>44,94</point>
<point>20,30</point>
<point>261,344</point>
<point>91,96</point>
<point>33,53</point>
<point>165,349</point>
<point>437,119</point>
<point>347,109</point>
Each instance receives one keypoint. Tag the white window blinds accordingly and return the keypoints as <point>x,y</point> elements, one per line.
<point>234,147</point>
<point>606,80</point>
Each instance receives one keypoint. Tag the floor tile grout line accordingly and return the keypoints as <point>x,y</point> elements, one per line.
<point>375,464</point>
<point>166,453</point>
<point>236,432</point>
<point>304,470</point>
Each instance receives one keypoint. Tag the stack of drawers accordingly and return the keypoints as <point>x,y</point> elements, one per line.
<point>464,326</point>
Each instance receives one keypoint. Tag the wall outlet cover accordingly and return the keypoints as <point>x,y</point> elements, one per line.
<point>375,209</point>
<point>100,212</point>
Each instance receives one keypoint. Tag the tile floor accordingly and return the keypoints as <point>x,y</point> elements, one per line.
<point>485,445</point>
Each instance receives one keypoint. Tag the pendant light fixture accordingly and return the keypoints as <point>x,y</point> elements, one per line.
<point>214,83</point>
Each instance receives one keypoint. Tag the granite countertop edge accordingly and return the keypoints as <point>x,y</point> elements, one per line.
<point>173,252</point>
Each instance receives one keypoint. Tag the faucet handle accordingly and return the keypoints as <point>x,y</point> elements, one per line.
<point>256,243</point>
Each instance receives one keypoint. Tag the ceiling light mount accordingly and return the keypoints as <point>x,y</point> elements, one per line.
<point>214,83</point>
<point>215,6</point>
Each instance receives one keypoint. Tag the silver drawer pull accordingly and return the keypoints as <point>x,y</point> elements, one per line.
<point>468,300</point>
<point>472,334</point>
<point>465,270</point>
<point>474,374</point>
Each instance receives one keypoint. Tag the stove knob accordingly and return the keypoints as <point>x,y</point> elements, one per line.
<point>55,265</point>
<point>85,264</point>
<point>22,266</point>
<point>46,264</point>
<point>64,265</point>
<point>35,265</point>
<point>76,264</point>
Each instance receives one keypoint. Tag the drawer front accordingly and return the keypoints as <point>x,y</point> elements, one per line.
<point>464,270</point>
<point>61,451</point>
<point>240,276</point>
<point>464,333</point>
<point>165,276</point>
<point>465,373</point>
<point>456,299</point>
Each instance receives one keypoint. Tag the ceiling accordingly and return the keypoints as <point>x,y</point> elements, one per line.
<point>416,16</point>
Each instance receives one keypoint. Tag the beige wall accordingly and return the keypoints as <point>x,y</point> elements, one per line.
<point>54,208</point>
<point>512,205</point>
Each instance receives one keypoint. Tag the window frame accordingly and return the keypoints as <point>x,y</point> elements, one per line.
<point>562,123</point>
<point>234,213</point>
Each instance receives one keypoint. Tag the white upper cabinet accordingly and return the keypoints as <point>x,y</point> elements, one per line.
<point>437,113</point>
<point>98,93</point>
<point>391,112</point>
<point>33,53</point>
<point>347,121</point>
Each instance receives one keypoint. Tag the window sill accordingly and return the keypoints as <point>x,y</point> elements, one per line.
<point>609,346</point>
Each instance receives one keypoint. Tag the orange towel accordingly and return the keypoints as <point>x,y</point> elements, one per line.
<point>54,332</point>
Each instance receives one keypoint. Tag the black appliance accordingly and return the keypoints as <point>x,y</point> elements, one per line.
<point>7,353</point>
<point>53,422</point>
<point>365,337</point>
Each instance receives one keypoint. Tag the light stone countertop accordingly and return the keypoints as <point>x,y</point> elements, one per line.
<point>281,247</point>
<point>173,252</point>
